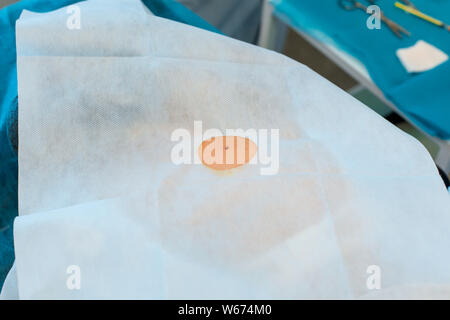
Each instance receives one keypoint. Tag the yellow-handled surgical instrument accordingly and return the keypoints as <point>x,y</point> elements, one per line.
<point>422,15</point>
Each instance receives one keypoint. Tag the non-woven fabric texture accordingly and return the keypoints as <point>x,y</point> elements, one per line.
<point>99,191</point>
<point>8,103</point>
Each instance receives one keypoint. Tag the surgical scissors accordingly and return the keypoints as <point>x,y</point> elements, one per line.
<point>354,4</point>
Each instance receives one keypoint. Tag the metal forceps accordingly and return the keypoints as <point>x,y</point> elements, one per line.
<point>354,4</point>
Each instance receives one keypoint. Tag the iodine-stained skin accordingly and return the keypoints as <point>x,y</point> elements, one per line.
<point>226,152</point>
<point>97,184</point>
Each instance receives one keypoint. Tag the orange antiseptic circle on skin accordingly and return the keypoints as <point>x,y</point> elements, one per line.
<point>226,152</point>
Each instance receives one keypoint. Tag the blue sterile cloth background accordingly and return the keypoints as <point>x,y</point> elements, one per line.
<point>8,103</point>
<point>424,97</point>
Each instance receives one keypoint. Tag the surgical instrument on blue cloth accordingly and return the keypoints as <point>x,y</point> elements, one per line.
<point>409,3</point>
<point>409,8</point>
<point>354,4</point>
